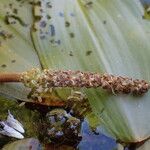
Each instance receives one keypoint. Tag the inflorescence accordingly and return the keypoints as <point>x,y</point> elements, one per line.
<point>43,81</point>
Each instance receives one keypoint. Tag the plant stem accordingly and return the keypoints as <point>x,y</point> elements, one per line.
<point>10,77</point>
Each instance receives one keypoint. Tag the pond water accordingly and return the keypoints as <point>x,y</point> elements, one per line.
<point>90,141</point>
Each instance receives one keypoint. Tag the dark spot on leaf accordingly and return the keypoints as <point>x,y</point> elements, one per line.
<point>55,42</point>
<point>52,41</point>
<point>13,61</point>
<point>70,53</point>
<point>52,29</point>
<point>48,17</point>
<point>72,14</point>
<point>43,24</point>
<point>41,10</point>
<point>67,24</point>
<point>48,4</point>
<point>3,65</point>
<point>88,53</point>
<point>37,18</point>
<point>72,35</point>
<point>13,22</point>
<point>15,11</point>
<point>5,35</point>
<point>38,3</point>
<point>7,12</point>
<point>61,14</point>
<point>8,18</point>
<point>104,22</point>
<point>89,4</point>
<point>42,37</point>
<point>31,3</point>
<point>58,42</point>
<point>10,5</point>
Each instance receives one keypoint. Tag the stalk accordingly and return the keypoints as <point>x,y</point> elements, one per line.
<point>10,77</point>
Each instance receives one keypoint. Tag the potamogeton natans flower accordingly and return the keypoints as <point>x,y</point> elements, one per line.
<point>43,81</point>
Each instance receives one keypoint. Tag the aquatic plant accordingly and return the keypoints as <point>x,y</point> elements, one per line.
<point>99,36</point>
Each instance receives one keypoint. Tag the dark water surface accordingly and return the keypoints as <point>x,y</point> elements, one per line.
<point>91,141</point>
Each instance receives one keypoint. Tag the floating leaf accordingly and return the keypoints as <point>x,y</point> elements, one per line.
<point>114,37</point>
<point>16,48</point>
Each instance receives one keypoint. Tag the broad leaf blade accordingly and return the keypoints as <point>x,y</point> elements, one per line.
<point>16,53</point>
<point>117,39</point>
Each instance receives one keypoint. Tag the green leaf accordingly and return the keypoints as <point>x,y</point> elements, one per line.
<point>17,52</point>
<point>102,36</point>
